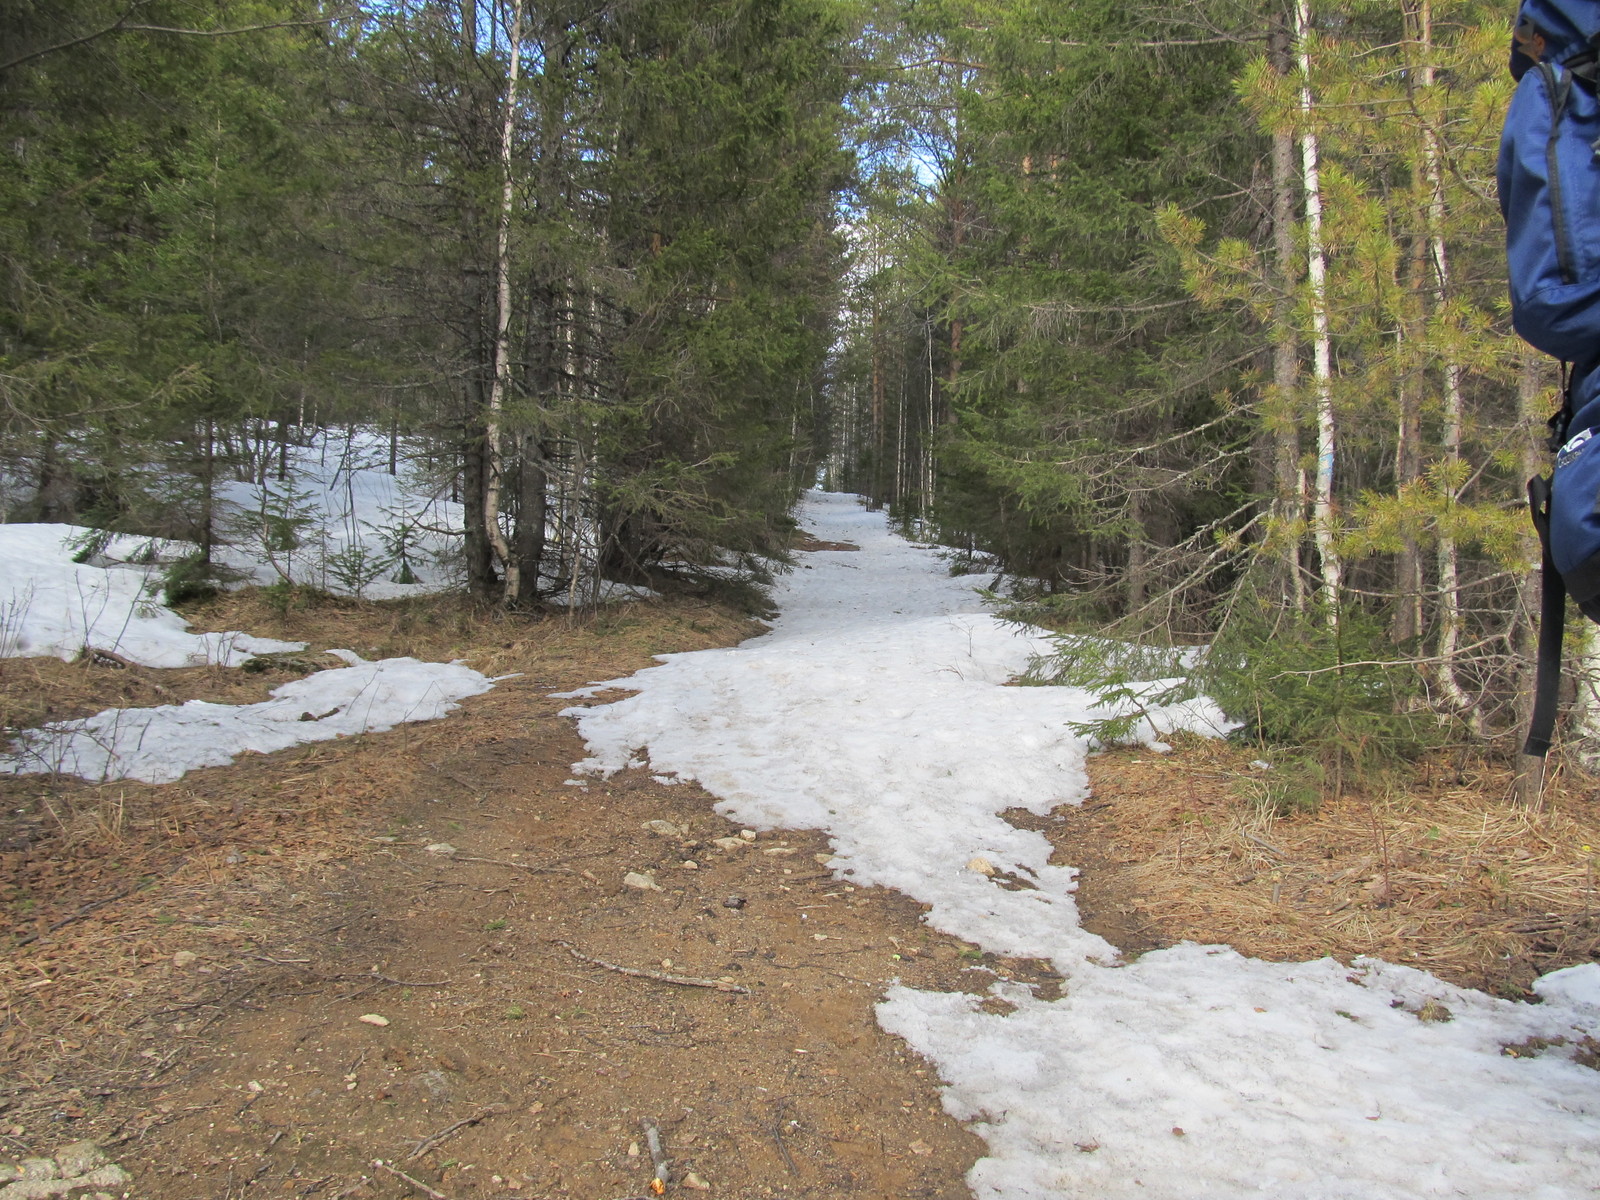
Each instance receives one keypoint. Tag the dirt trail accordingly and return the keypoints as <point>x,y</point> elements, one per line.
<point>208,1028</point>
<point>789,1089</point>
<point>189,965</point>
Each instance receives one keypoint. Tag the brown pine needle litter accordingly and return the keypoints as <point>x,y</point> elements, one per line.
<point>1445,875</point>
<point>105,888</point>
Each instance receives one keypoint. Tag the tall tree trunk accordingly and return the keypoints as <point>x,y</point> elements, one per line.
<point>1450,433</point>
<point>1407,620</point>
<point>1288,502</point>
<point>900,445</point>
<point>929,467</point>
<point>1323,511</point>
<point>474,478</point>
<point>1138,581</point>
<point>208,490</point>
<point>533,482</point>
<point>879,438</point>
<point>502,340</point>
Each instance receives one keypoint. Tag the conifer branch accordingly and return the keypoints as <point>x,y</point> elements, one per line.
<point>122,25</point>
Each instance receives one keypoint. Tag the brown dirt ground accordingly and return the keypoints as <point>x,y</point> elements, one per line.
<point>188,965</point>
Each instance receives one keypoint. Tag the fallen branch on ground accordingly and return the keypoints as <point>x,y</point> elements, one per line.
<point>464,784</point>
<point>1266,845</point>
<point>77,916</point>
<point>658,1156</point>
<point>720,985</point>
<point>777,1136</point>
<point>430,1193</point>
<point>500,862</point>
<point>547,868</point>
<point>396,982</point>
<point>428,1143</point>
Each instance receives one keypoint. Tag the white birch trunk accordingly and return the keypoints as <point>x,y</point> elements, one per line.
<point>1450,435</point>
<point>502,340</point>
<point>1321,339</point>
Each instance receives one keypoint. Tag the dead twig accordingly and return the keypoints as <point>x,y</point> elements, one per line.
<point>452,777</point>
<point>777,1136</point>
<point>547,868</point>
<point>77,916</point>
<point>658,1157</point>
<point>430,1193</point>
<point>432,1140</point>
<point>379,980</point>
<point>720,985</point>
<point>1266,845</point>
<point>396,982</point>
<point>500,862</point>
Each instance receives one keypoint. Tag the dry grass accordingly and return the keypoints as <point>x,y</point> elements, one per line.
<point>445,628</point>
<point>1446,876</point>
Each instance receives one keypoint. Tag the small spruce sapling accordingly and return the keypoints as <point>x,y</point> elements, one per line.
<point>286,527</point>
<point>401,542</point>
<point>1126,679</point>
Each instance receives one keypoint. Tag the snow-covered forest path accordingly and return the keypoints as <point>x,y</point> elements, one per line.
<point>875,712</point>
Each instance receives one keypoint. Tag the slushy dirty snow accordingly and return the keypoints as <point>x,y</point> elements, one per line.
<point>875,711</point>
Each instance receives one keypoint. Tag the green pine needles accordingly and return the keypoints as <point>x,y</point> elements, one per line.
<point>1335,702</point>
<point>1337,695</point>
<point>1127,679</point>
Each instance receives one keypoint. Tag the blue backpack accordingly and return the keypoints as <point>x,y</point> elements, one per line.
<point>1549,178</point>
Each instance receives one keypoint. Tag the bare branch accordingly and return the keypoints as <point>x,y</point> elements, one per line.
<point>122,25</point>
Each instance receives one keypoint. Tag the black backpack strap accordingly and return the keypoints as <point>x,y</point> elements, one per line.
<point>1585,65</point>
<point>1560,420</point>
<point>1552,628</point>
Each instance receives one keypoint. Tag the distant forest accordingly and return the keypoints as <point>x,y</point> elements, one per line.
<point>1187,322</point>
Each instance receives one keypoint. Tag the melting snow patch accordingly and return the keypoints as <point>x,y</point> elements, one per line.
<point>160,745</point>
<point>1303,1079</point>
<point>54,606</point>
<point>875,711</point>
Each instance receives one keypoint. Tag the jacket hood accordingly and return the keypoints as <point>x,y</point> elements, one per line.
<point>1568,27</point>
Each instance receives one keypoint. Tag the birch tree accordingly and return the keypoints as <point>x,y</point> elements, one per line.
<point>1324,512</point>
